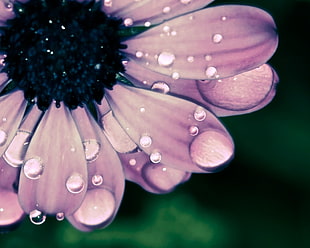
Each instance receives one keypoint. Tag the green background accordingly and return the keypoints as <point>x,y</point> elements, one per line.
<point>261,200</point>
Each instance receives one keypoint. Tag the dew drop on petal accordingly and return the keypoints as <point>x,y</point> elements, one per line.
<point>107,3</point>
<point>166,10</point>
<point>224,18</point>
<point>211,149</point>
<point>128,22</point>
<point>185,1</point>
<point>155,157</point>
<point>217,38</point>
<point>3,137</point>
<point>211,72</point>
<point>132,162</point>
<point>145,141</point>
<point>98,207</point>
<point>190,59</point>
<point>200,114</point>
<point>147,24</point>
<point>208,57</point>
<point>139,54</point>
<point>37,217</point>
<point>75,184</point>
<point>161,87</point>
<point>91,149</point>
<point>193,130</point>
<point>97,180</point>
<point>175,75</point>
<point>165,59</point>
<point>166,29</point>
<point>60,216</point>
<point>33,168</point>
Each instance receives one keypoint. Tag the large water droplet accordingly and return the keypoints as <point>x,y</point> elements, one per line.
<point>3,137</point>
<point>165,59</point>
<point>155,157</point>
<point>211,149</point>
<point>161,87</point>
<point>145,141</point>
<point>200,114</point>
<point>75,184</point>
<point>37,217</point>
<point>33,168</point>
<point>91,149</point>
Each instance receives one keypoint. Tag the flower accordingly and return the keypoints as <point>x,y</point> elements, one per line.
<point>96,92</point>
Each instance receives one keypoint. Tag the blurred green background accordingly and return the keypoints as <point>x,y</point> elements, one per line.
<point>261,200</point>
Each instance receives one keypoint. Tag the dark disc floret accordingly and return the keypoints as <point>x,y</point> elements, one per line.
<point>62,51</point>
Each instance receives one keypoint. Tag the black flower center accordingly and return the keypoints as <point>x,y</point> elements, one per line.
<point>62,51</point>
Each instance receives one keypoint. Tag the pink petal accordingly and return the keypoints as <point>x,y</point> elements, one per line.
<point>150,12</point>
<point>54,174</point>
<point>10,210</point>
<point>105,181</point>
<point>242,93</point>
<point>211,43</point>
<point>155,178</point>
<point>6,11</point>
<point>8,176</point>
<point>12,108</point>
<point>166,128</point>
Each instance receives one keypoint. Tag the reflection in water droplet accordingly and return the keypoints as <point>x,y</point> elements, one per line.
<point>91,149</point>
<point>165,59</point>
<point>155,157</point>
<point>60,216</point>
<point>3,137</point>
<point>33,168</point>
<point>145,141</point>
<point>97,180</point>
<point>75,184</point>
<point>200,114</point>
<point>161,87</point>
<point>37,217</point>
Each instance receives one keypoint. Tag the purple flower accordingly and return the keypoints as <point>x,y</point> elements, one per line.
<point>96,92</point>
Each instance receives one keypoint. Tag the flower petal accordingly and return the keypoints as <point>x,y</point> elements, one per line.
<point>12,108</point>
<point>105,181</point>
<point>8,176</point>
<point>211,43</point>
<point>167,129</point>
<point>3,80</point>
<point>10,211</point>
<point>242,93</point>
<point>155,178</point>
<point>6,11</point>
<point>149,12</point>
<point>54,174</point>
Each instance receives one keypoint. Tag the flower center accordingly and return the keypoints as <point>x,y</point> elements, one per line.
<point>62,51</point>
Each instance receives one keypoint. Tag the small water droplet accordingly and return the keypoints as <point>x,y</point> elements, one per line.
<point>33,168</point>
<point>37,217</point>
<point>142,110</point>
<point>60,216</point>
<point>161,87</point>
<point>166,29</point>
<point>165,59</point>
<point>193,130</point>
<point>75,184</point>
<point>224,18</point>
<point>185,1</point>
<point>217,38</point>
<point>147,24</point>
<point>4,119</point>
<point>91,149</point>
<point>190,59</point>
<point>139,54</point>
<point>3,137</point>
<point>155,157</point>
<point>208,57</point>
<point>166,10</point>
<point>211,72</point>
<point>175,75</point>
<point>128,22</point>
<point>97,180</point>
<point>200,114</point>
<point>145,141</point>
<point>132,162</point>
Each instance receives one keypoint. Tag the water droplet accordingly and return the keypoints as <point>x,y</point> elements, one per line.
<point>91,149</point>
<point>33,168</point>
<point>211,72</point>
<point>75,184</point>
<point>97,180</point>
<point>155,157</point>
<point>224,18</point>
<point>147,24</point>
<point>217,38</point>
<point>190,59</point>
<point>145,141</point>
<point>37,217</point>
<point>193,130</point>
<point>166,10</point>
<point>161,87</point>
<point>139,54</point>
<point>200,114</point>
<point>166,29</point>
<point>165,59</point>
<point>4,119</point>
<point>132,162</point>
<point>175,75</point>
<point>128,22</point>
<point>3,137</point>
<point>208,57</point>
<point>107,3</point>
<point>8,6</point>
<point>60,216</point>
<point>185,1</point>
<point>142,110</point>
